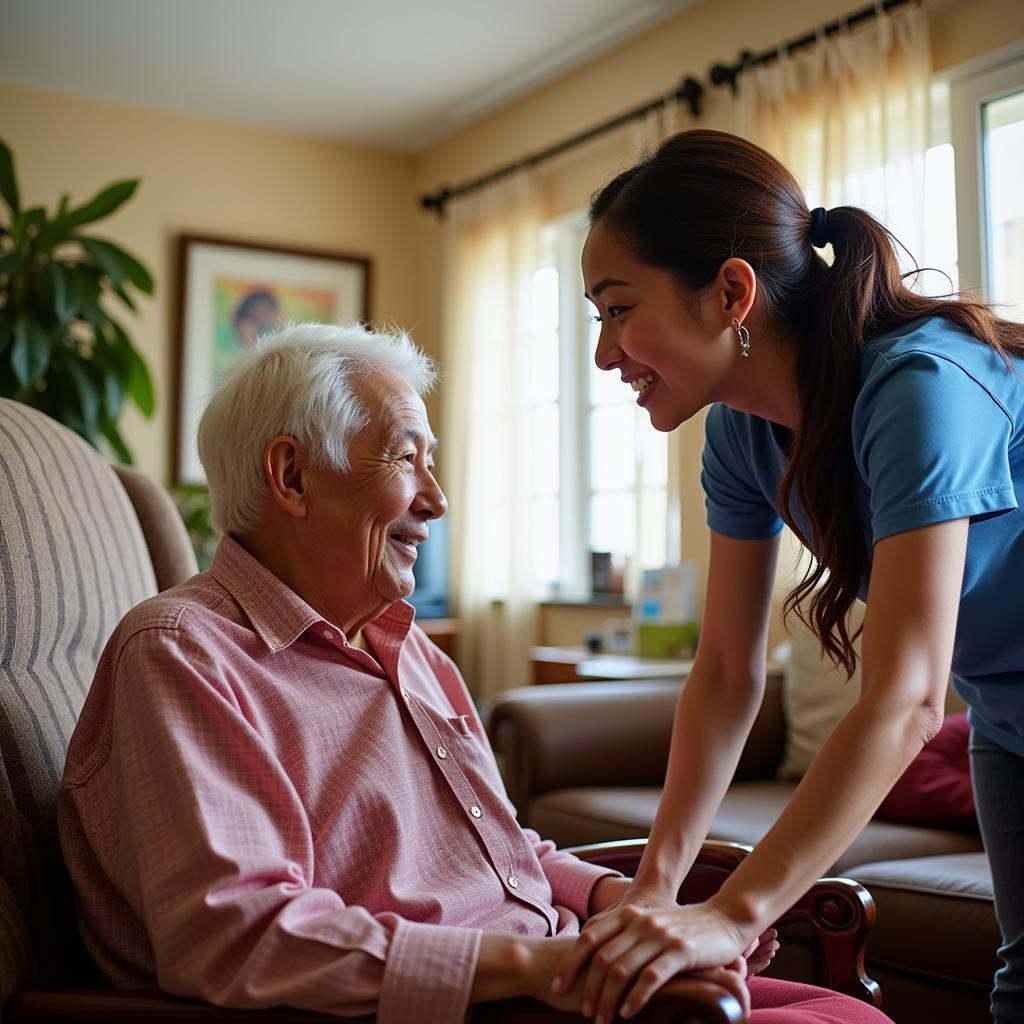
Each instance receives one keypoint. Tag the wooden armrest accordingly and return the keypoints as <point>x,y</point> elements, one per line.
<point>840,911</point>
<point>124,1006</point>
<point>679,1002</point>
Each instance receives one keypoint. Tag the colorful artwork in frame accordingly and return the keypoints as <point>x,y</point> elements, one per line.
<point>231,294</point>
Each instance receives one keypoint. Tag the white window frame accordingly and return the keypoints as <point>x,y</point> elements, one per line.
<point>573,440</point>
<point>972,85</point>
<point>576,491</point>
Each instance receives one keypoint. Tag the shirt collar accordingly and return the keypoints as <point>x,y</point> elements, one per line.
<point>278,615</point>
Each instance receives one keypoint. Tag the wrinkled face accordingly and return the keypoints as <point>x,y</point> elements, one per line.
<point>650,332</point>
<point>367,523</point>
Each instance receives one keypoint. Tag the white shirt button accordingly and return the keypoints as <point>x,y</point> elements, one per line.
<point>513,882</point>
<point>328,635</point>
<point>405,695</point>
<point>442,753</point>
<point>475,811</point>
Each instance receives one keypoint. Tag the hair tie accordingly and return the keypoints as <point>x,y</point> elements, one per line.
<point>819,227</point>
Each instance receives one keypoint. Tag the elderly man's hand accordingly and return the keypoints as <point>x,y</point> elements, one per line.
<point>760,953</point>
<point>630,951</point>
<point>548,954</point>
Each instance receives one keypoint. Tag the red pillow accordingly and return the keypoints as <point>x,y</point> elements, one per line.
<point>936,787</point>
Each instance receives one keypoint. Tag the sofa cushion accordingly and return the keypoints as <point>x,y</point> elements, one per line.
<point>815,695</point>
<point>922,904</point>
<point>573,817</point>
<point>936,787</point>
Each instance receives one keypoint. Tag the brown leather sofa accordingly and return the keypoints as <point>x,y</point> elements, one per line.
<point>584,763</point>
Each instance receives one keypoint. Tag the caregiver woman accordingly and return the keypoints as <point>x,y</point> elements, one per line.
<point>885,428</point>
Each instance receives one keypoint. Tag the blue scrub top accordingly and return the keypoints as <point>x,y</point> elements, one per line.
<point>937,430</point>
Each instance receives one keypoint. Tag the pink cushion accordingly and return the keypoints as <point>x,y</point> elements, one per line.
<point>774,1001</point>
<point>936,788</point>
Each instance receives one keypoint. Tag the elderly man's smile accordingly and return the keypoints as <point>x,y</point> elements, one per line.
<point>407,543</point>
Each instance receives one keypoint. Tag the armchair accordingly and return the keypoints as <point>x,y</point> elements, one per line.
<point>80,544</point>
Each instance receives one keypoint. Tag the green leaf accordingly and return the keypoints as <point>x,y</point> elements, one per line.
<point>63,299</point>
<point>33,218</point>
<point>117,264</point>
<point>88,395</point>
<point>126,299</point>
<point>109,373</point>
<point>11,262</point>
<point>108,428</point>
<point>8,184</point>
<point>31,354</point>
<point>23,223</point>
<point>139,385</point>
<point>100,206</point>
<point>113,394</point>
<point>6,333</point>
<point>85,292</point>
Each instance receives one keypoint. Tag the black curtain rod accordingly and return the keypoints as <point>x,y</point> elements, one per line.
<point>689,92</point>
<point>727,74</point>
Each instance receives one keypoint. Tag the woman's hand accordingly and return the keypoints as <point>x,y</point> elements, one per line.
<point>633,950</point>
<point>546,955</point>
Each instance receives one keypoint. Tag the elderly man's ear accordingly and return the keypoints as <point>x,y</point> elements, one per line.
<point>285,470</point>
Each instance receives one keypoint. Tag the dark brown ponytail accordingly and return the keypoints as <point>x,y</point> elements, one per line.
<point>706,196</point>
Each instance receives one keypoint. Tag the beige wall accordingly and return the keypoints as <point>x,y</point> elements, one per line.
<point>625,78</point>
<point>204,177</point>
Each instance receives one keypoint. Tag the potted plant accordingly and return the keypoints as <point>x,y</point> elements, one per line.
<point>61,350</point>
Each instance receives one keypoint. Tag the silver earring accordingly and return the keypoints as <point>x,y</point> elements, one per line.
<point>744,335</point>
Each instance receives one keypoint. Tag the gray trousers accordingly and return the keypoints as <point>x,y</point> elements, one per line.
<point>998,777</point>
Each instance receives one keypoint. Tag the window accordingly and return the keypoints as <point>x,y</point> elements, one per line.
<point>601,472</point>
<point>988,131</point>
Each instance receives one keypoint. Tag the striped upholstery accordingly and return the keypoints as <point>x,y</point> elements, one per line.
<point>73,560</point>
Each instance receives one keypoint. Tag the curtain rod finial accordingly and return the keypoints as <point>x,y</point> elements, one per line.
<point>437,201</point>
<point>691,92</point>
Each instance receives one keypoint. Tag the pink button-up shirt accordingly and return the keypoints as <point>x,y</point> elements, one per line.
<point>256,813</point>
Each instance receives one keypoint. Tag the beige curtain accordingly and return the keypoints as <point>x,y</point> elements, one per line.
<point>850,117</point>
<point>491,257</point>
<point>647,134</point>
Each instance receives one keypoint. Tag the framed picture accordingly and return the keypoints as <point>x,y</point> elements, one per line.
<point>233,292</point>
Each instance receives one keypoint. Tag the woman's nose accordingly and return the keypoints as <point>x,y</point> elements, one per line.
<point>608,354</point>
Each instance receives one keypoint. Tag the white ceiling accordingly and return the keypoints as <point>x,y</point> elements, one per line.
<point>398,75</point>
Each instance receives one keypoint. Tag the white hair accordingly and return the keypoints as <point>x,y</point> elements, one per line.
<point>299,383</point>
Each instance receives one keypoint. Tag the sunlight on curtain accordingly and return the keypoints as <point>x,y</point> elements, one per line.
<point>850,116</point>
<point>853,118</point>
<point>649,519</point>
<point>491,256</point>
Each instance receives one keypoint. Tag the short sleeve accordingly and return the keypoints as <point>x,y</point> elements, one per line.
<point>736,505</point>
<point>932,444</point>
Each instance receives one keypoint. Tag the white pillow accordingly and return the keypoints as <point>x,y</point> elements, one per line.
<point>815,695</point>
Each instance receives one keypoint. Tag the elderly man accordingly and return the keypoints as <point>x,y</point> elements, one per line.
<point>279,791</point>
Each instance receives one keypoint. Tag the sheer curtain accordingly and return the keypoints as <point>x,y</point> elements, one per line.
<point>850,116</point>
<point>490,448</point>
<point>491,253</point>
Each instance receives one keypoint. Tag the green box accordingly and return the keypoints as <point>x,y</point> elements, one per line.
<point>657,640</point>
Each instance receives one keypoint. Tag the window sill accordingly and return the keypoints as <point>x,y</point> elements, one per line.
<point>588,601</point>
